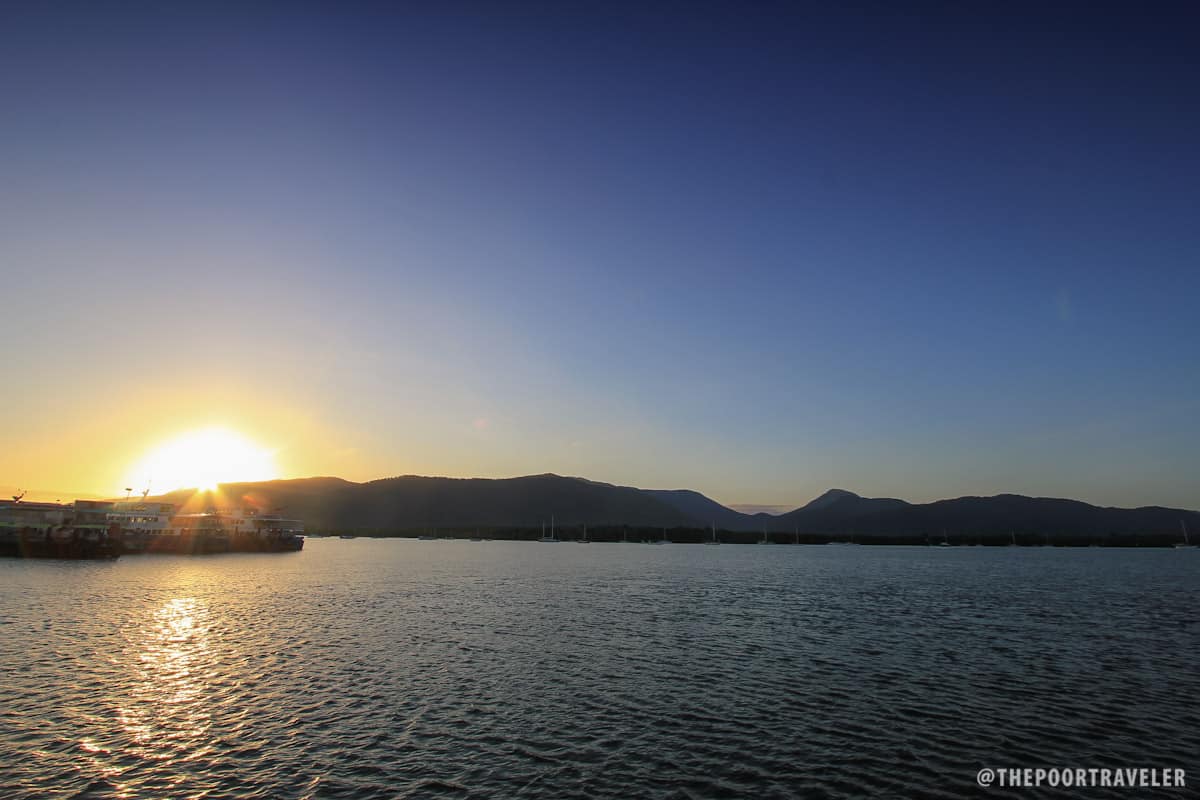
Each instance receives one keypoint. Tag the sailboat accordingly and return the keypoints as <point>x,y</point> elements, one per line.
<point>714,539</point>
<point>764,539</point>
<point>945,542</point>
<point>551,537</point>
<point>585,539</point>
<point>1013,543</point>
<point>1187,542</point>
<point>664,539</point>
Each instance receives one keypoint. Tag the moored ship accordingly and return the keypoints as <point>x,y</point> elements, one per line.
<point>143,524</point>
<point>56,530</point>
<point>156,528</point>
<point>109,528</point>
<point>193,534</point>
<point>269,533</point>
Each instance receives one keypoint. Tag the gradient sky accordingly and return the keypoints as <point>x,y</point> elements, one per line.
<point>755,251</point>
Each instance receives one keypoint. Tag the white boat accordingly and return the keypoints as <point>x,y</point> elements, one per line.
<point>664,539</point>
<point>551,538</point>
<point>144,525</point>
<point>714,539</point>
<point>585,539</point>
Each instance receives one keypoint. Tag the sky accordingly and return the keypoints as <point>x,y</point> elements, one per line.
<point>757,250</point>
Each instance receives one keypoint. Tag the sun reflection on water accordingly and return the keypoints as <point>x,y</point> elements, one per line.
<point>166,713</point>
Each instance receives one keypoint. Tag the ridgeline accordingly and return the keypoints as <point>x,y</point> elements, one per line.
<point>516,508</point>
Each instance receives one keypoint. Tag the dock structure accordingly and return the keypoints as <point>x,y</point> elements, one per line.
<point>110,528</point>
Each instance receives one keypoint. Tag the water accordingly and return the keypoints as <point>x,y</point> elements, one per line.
<point>362,668</point>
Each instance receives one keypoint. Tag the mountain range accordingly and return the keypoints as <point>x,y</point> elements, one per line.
<point>415,503</point>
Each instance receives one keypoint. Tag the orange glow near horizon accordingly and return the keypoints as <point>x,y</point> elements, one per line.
<point>201,459</point>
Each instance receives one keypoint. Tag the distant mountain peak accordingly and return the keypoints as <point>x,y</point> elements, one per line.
<point>829,498</point>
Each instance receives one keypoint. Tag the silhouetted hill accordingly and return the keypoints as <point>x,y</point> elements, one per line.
<point>704,510</point>
<point>837,510</point>
<point>415,503</point>
<point>831,507</point>
<point>829,498</point>
<point>1025,518</point>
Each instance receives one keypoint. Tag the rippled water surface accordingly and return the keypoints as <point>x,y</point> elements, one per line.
<point>400,668</point>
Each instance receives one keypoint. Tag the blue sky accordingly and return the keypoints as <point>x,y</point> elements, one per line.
<point>756,252</point>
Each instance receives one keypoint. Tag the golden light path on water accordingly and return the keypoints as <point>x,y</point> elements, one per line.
<point>159,693</point>
<point>166,711</point>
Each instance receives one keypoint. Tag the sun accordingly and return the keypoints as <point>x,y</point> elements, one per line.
<point>203,458</point>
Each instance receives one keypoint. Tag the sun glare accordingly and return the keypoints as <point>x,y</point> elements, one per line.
<point>202,459</point>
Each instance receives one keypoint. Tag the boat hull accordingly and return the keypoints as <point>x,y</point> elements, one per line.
<point>71,545</point>
<point>211,543</point>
